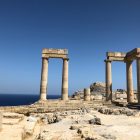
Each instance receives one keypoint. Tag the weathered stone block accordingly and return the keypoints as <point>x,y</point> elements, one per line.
<point>97,97</point>
<point>29,126</point>
<point>54,53</point>
<point>115,54</point>
<point>121,96</point>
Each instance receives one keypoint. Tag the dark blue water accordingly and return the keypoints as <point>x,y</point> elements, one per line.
<point>21,99</point>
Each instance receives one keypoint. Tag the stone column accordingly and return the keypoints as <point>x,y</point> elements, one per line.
<point>87,94</point>
<point>44,79</point>
<point>65,80</point>
<point>108,81</point>
<point>138,78</point>
<point>129,78</point>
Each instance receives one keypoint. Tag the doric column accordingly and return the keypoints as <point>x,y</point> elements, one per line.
<point>108,81</point>
<point>129,78</point>
<point>138,78</point>
<point>65,80</point>
<point>44,79</point>
<point>87,94</point>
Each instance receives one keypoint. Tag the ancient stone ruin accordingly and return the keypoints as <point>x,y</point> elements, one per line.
<point>46,55</point>
<point>128,58</point>
<point>87,115</point>
<point>87,94</point>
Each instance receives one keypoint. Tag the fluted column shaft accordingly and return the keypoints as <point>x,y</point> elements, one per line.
<point>65,80</point>
<point>129,78</point>
<point>138,79</point>
<point>44,79</point>
<point>108,80</point>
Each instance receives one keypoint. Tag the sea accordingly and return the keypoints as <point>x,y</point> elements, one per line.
<point>22,99</point>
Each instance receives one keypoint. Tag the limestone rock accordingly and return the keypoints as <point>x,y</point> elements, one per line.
<point>51,118</point>
<point>95,121</point>
<point>98,87</point>
<point>88,134</point>
<point>12,118</point>
<point>97,97</point>
<point>29,126</point>
<point>120,94</point>
<point>109,137</point>
<point>13,115</point>
<point>31,119</point>
<point>75,127</point>
<point>78,95</point>
<point>97,92</point>
<point>118,111</point>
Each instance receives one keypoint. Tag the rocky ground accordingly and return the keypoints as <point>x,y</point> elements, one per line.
<point>86,123</point>
<point>74,119</point>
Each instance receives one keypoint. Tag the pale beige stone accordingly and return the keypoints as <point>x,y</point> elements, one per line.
<point>54,53</point>
<point>29,128</point>
<point>108,81</point>
<point>120,96</point>
<point>44,79</point>
<point>130,93</point>
<point>13,115</point>
<point>138,79</point>
<point>87,94</point>
<point>65,80</point>
<point>128,59</point>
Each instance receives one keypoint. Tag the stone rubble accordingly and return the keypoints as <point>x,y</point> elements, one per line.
<point>82,123</point>
<point>95,121</point>
<point>118,111</point>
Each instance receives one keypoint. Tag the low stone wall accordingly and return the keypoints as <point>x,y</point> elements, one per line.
<point>120,96</point>
<point>51,106</point>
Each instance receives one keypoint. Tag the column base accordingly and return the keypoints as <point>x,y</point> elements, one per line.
<point>64,97</point>
<point>43,97</point>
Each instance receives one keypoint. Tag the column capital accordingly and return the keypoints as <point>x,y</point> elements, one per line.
<point>66,59</point>
<point>45,58</point>
<point>128,61</point>
<point>138,56</point>
<point>107,60</point>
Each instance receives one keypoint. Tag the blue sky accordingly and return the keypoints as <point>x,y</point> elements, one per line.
<point>87,28</point>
